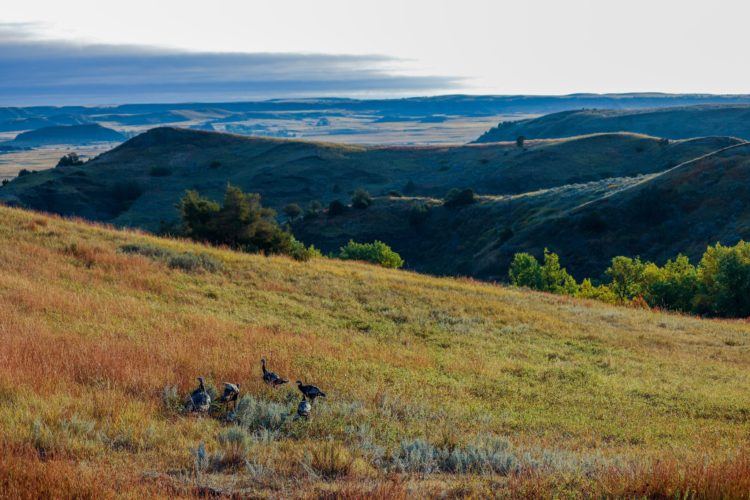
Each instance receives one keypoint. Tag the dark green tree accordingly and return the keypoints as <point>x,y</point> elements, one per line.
<point>361,199</point>
<point>336,208</point>
<point>292,211</point>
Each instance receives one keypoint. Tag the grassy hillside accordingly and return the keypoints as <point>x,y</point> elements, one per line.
<point>139,183</point>
<point>681,210</point>
<point>673,123</point>
<point>452,240</point>
<point>656,216</point>
<point>573,397</point>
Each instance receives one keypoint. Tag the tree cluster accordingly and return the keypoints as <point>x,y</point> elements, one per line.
<point>240,222</point>
<point>718,286</point>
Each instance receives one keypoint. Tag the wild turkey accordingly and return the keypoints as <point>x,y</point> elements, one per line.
<point>310,391</point>
<point>303,409</point>
<point>270,377</point>
<point>231,393</point>
<point>199,401</point>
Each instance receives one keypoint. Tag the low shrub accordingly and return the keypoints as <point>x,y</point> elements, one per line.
<point>361,199</point>
<point>185,261</point>
<point>376,252</point>
<point>298,251</point>
<point>415,456</point>
<point>235,446</point>
<point>486,455</point>
<point>191,262</point>
<point>258,416</point>
<point>459,197</point>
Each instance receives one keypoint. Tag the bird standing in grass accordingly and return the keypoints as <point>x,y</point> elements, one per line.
<point>303,409</point>
<point>270,377</point>
<point>231,394</point>
<point>200,400</point>
<point>310,391</point>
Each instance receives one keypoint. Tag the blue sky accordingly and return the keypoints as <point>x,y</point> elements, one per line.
<point>90,52</point>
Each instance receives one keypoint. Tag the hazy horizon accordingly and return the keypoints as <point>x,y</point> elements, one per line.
<point>140,52</point>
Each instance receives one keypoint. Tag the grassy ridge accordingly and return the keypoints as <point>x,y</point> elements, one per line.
<point>673,123</point>
<point>139,183</point>
<point>92,336</point>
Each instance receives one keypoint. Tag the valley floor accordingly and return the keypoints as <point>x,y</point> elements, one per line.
<point>435,386</point>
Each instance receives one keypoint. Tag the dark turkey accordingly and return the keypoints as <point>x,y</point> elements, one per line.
<point>199,401</point>
<point>270,377</point>
<point>310,391</point>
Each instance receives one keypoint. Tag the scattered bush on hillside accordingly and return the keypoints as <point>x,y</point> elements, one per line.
<point>336,208</point>
<point>724,274</point>
<point>410,187</point>
<point>395,194</point>
<point>70,160</point>
<point>376,252</point>
<point>361,199</point>
<point>185,261</point>
<point>526,271</point>
<point>24,171</point>
<point>298,251</point>
<point>313,210</point>
<point>5,182</point>
<point>292,211</point>
<point>259,416</point>
<point>214,165</point>
<point>520,140</point>
<point>418,214</point>
<point>486,455</point>
<point>718,286</point>
<point>459,197</point>
<point>235,446</point>
<point>160,172</point>
<point>336,188</point>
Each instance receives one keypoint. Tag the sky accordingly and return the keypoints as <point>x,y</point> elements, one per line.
<point>98,52</point>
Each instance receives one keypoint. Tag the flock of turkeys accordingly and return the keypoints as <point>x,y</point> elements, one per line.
<point>199,400</point>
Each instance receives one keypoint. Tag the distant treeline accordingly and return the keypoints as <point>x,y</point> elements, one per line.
<point>718,286</point>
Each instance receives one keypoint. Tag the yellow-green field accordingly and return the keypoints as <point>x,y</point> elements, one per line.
<point>536,395</point>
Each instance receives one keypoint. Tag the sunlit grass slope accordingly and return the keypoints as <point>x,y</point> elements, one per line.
<point>585,397</point>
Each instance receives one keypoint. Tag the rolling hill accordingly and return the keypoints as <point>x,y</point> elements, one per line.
<point>67,134</point>
<point>683,209</point>
<point>138,183</point>
<point>436,387</point>
<point>672,123</point>
<point>656,216</point>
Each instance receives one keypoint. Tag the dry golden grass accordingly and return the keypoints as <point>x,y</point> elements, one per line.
<point>591,399</point>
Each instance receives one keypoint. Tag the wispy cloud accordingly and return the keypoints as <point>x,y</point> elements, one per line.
<point>38,71</point>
